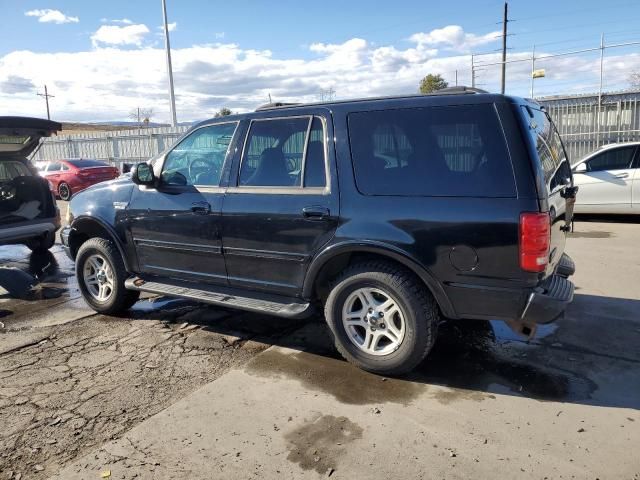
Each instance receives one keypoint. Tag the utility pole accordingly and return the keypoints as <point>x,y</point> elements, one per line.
<point>505,20</point>
<point>599,118</point>
<point>456,78</point>
<point>46,99</point>
<point>167,47</point>
<point>533,67</point>
<point>473,73</point>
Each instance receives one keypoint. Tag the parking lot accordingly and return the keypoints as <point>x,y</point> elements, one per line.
<point>180,390</point>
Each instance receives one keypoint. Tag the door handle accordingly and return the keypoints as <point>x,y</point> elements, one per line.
<point>621,175</point>
<point>201,208</point>
<point>315,213</point>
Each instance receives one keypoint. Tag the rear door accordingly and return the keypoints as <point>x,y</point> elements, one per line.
<point>558,179</point>
<point>607,183</point>
<point>281,206</point>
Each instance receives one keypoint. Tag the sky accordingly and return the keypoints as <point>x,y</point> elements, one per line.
<point>103,59</point>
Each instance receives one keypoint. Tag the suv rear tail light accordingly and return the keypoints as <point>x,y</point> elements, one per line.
<point>535,239</point>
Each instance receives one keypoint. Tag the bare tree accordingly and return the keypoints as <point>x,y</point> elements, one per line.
<point>634,79</point>
<point>141,115</point>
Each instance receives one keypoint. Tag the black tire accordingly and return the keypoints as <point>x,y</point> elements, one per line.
<point>415,301</point>
<point>42,243</point>
<point>64,191</point>
<point>120,298</point>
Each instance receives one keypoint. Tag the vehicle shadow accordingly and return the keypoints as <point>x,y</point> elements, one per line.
<point>603,218</point>
<point>579,359</point>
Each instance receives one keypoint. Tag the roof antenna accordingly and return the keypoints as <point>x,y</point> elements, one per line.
<point>270,98</point>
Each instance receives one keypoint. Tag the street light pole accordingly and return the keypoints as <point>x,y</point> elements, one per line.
<point>167,47</point>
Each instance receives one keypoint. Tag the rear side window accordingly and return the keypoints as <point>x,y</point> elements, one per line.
<point>437,151</point>
<point>614,159</point>
<point>555,164</point>
<point>284,152</point>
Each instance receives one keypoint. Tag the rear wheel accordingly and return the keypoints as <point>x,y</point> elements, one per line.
<point>64,191</point>
<point>101,275</point>
<point>383,318</point>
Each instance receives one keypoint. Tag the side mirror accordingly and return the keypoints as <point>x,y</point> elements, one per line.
<point>142,174</point>
<point>580,168</point>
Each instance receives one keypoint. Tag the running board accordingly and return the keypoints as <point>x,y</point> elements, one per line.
<point>277,305</point>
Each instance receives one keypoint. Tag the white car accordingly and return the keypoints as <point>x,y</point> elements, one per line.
<point>609,180</point>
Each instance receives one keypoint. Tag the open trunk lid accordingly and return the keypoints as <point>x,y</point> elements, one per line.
<point>556,191</point>
<point>19,136</point>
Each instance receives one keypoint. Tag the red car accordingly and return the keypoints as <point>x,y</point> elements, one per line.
<point>70,176</point>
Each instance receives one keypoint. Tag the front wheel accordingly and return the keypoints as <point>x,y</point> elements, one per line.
<point>101,275</point>
<point>383,319</point>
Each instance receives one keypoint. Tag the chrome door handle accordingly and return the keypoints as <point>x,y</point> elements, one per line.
<point>315,213</point>
<point>621,175</point>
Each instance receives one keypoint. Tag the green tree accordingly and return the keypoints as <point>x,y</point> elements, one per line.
<point>431,83</point>
<point>223,112</point>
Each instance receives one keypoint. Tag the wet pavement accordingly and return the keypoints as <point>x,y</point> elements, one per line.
<point>73,380</point>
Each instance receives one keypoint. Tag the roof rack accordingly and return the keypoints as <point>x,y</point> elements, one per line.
<point>270,106</point>
<point>458,90</point>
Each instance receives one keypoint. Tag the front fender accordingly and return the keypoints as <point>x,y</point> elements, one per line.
<point>384,250</point>
<point>91,225</point>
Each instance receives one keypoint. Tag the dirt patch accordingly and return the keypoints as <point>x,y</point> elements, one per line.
<point>345,382</point>
<point>318,444</point>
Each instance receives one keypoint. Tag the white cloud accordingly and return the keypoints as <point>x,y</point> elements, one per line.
<point>455,38</point>
<point>48,15</point>
<point>170,26</point>
<point>106,83</point>
<point>219,35</point>
<point>115,35</point>
<point>122,21</point>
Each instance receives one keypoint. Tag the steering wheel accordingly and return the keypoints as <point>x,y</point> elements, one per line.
<point>199,165</point>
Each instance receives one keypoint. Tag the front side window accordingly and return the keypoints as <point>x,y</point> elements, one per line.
<point>614,159</point>
<point>198,159</point>
<point>437,151</point>
<point>275,149</point>
<point>54,167</point>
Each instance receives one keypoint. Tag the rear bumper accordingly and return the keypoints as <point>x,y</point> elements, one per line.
<point>548,301</point>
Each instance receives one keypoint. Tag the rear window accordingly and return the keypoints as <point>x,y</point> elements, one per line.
<point>437,151</point>
<point>86,163</point>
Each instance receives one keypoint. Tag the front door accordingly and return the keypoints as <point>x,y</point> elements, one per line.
<point>281,206</point>
<point>607,183</point>
<point>175,228</point>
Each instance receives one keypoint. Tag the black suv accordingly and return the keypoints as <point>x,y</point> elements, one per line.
<point>391,214</point>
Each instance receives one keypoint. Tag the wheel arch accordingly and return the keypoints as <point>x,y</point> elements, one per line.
<point>335,257</point>
<point>85,227</point>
